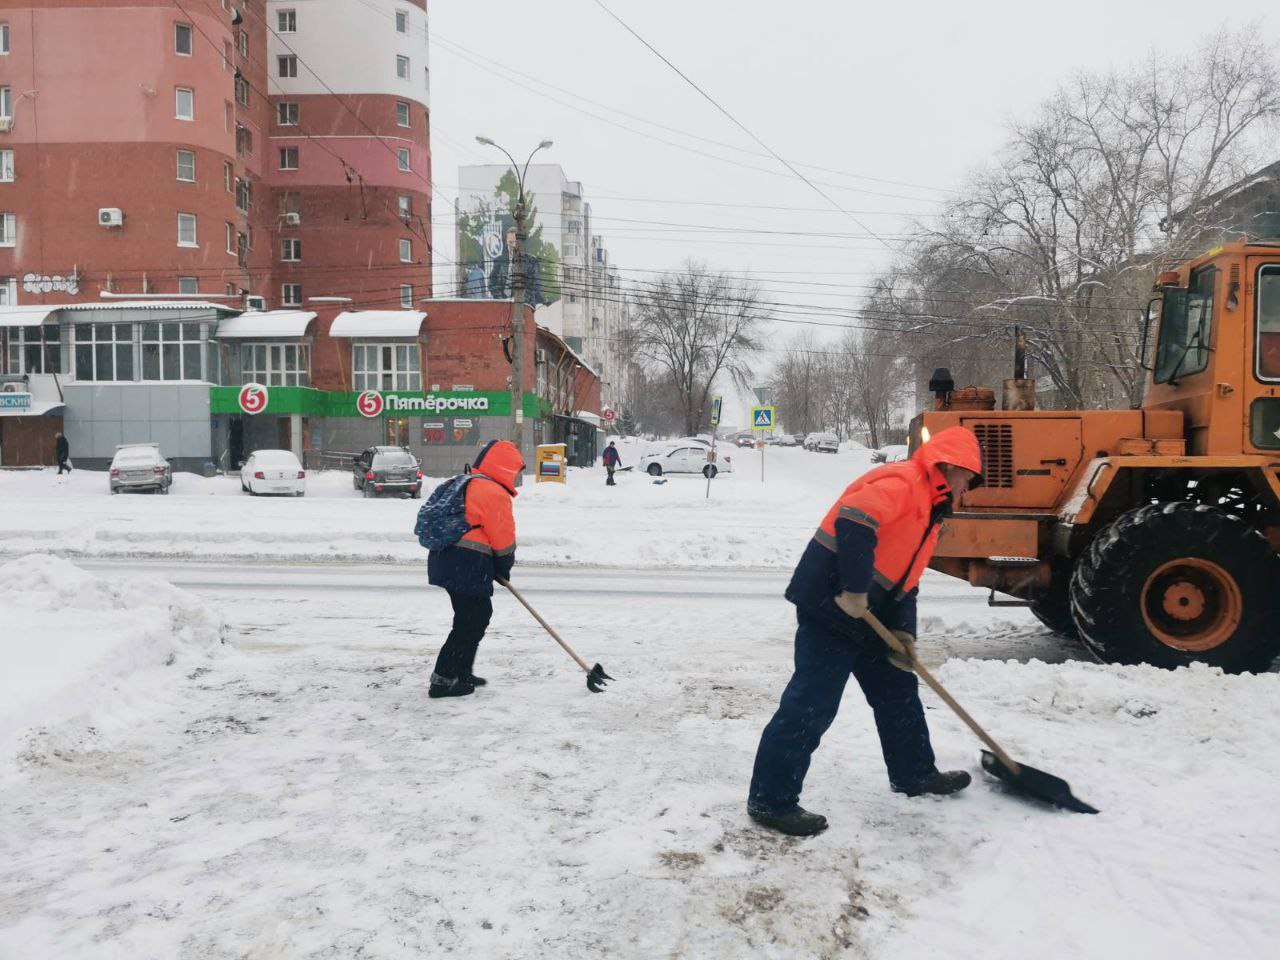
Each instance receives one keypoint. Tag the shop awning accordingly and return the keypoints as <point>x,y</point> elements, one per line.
<point>403,324</point>
<point>170,305</point>
<point>265,323</point>
<point>13,316</point>
<point>38,408</point>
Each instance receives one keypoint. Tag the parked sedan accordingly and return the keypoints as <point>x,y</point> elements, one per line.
<point>139,466</point>
<point>387,470</point>
<point>683,459</point>
<point>822,442</point>
<point>273,471</point>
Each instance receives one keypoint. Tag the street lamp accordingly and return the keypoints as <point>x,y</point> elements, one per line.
<point>516,274</point>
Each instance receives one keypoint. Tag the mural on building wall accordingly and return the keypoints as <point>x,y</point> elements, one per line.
<point>486,248</point>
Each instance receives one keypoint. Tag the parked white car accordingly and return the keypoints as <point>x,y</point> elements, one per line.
<point>822,442</point>
<point>890,454</point>
<point>684,458</point>
<point>273,471</point>
<point>139,466</point>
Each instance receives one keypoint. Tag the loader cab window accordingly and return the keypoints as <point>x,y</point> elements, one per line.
<point>1269,323</point>
<point>1186,326</point>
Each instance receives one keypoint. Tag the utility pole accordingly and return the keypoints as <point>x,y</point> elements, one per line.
<point>517,275</point>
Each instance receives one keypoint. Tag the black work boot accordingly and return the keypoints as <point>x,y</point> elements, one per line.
<point>449,687</point>
<point>797,822</point>
<point>476,681</point>
<point>940,784</point>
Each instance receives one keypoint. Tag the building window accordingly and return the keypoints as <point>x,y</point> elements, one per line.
<point>186,166</point>
<point>288,158</point>
<point>187,230</point>
<point>228,176</point>
<point>402,159</point>
<point>287,114</point>
<point>286,21</point>
<point>6,166</point>
<point>291,249</point>
<point>242,89</point>
<point>275,364</point>
<point>8,229</point>
<point>406,296</point>
<point>402,68</point>
<point>231,239</point>
<point>243,246</point>
<point>291,295</point>
<point>287,66</point>
<point>171,351</point>
<point>291,205</point>
<point>402,21</point>
<point>4,38</point>
<point>184,103</point>
<point>226,54</point>
<point>390,366</point>
<point>6,104</point>
<point>244,194</point>
<point>405,207</point>
<point>244,141</point>
<point>36,349</point>
<point>182,39</point>
<point>406,251</point>
<point>242,43</point>
<point>188,285</point>
<point>104,351</point>
<point>8,291</point>
<point>402,113</point>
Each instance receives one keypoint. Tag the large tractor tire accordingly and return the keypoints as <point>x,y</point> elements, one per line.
<point>1172,584</point>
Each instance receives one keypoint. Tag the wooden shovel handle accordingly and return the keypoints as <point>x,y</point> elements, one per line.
<point>885,634</point>
<point>546,626</point>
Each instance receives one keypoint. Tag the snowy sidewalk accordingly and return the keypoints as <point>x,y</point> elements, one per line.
<point>299,796</point>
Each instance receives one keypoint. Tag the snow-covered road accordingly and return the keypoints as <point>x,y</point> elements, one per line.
<point>298,796</point>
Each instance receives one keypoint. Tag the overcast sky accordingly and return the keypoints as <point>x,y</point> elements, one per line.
<point>898,102</point>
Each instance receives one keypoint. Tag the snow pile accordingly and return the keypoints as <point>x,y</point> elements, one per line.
<point>73,641</point>
<point>746,521</point>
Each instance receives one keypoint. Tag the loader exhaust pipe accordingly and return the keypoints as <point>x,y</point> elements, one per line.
<point>1020,392</point>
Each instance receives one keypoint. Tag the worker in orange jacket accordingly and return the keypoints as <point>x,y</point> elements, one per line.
<point>868,555</point>
<point>468,568</point>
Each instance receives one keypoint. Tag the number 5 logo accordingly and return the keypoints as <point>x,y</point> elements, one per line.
<point>369,403</point>
<point>253,398</point>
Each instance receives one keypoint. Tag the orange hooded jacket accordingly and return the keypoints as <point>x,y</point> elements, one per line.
<point>488,548</point>
<point>880,535</point>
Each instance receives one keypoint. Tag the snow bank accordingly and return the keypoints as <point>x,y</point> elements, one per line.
<point>72,642</point>
<point>746,521</point>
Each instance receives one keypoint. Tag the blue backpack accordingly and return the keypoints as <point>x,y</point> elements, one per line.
<point>442,520</point>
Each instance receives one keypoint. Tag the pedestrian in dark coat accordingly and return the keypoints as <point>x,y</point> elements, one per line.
<point>62,450</point>
<point>867,555</point>
<point>468,568</point>
<point>611,462</point>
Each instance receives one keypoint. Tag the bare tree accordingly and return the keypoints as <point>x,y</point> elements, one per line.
<point>799,382</point>
<point>695,326</point>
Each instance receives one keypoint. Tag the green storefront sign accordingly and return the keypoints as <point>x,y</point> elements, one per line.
<point>282,401</point>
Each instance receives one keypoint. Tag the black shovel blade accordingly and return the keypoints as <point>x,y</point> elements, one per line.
<point>596,679</point>
<point>1036,783</point>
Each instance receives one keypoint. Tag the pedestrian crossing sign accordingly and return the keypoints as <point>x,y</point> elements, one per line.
<point>762,418</point>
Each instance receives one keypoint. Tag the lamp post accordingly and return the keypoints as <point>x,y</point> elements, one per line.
<point>517,293</point>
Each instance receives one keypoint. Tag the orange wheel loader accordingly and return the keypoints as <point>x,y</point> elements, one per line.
<point>1152,533</point>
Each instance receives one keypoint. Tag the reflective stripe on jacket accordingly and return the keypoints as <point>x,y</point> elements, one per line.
<point>879,536</point>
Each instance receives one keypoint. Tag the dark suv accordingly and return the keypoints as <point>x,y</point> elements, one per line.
<point>387,470</point>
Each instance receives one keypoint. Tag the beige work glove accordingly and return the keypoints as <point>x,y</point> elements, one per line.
<point>903,660</point>
<point>853,604</point>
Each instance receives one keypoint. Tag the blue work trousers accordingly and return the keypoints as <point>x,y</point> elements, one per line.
<point>823,662</point>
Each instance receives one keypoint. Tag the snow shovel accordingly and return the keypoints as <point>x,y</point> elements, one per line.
<point>595,675</point>
<point>1023,779</point>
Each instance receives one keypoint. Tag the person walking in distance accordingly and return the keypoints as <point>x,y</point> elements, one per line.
<point>468,568</point>
<point>611,462</point>
<point>62,451</point>
<point>867,555</point>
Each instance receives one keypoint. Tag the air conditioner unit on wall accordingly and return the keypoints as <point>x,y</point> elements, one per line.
<point>12,387</point>
<point>292,219</point>
<point>255,303</point>
<point>111,217</point>
<point>6,124</point>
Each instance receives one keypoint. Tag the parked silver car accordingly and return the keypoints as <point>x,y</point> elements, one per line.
<point>139,466</point>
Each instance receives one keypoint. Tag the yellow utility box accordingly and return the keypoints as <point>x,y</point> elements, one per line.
<point>549,461</point>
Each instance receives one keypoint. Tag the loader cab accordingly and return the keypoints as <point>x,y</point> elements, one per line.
<point>1216,353</point>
